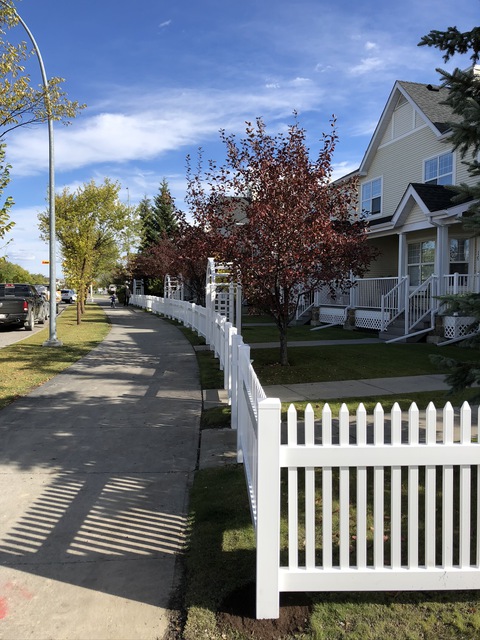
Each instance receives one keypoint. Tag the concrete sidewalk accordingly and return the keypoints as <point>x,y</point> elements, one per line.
<point>339,389</point>
<point>356,388</point>
<point>95,471</point>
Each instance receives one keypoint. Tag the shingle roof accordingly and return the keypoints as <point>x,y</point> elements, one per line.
<point>428,98</point>
<point>435,197</point>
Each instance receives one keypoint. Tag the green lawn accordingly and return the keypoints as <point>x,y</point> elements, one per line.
<point>265,333</point>
<point>352,362</point>
<point>27,364</point>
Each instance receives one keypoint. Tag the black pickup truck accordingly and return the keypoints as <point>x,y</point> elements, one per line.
<point>22,305</point>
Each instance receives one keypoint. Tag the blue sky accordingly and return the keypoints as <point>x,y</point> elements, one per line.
<point>160,79</point>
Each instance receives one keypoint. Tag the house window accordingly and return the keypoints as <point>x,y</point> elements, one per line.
<point>372,197</point>
<point>421,261</point>
<point>439,170</point>
<point>459,254</point>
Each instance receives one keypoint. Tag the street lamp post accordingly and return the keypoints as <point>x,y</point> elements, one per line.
<point>52,338</point>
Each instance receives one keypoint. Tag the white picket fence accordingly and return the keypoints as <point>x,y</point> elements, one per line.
<point>372,503</point>
<point>390,505</point>
<point>240,379</point>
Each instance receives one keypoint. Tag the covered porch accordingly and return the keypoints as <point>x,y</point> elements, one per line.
<point>399,299</point>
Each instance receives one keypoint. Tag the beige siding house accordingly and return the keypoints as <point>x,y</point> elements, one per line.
<point>424,250</point>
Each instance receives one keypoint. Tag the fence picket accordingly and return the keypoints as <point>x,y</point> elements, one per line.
<point>344,473</point>
<point>396,492</point>
<point>447,492</point>
<point>413,496</point>
<point>430,490</point>
<point>361,491</point>
<point>379,492</point>
<point>327,492</point>
<point>292,491</point>
<point>465,488</point>
<point>309,493</point>
<point>465,518</point>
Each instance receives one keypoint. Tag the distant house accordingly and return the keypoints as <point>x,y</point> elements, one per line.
<point>423,248</point>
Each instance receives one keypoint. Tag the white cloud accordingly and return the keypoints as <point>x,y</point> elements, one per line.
<point>341,169</point>
<point>167,23</point>
<point>367,65</point>
<point>155,124</point>
<point>301,81</point>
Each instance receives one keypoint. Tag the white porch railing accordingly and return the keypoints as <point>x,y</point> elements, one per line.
<point>421,304</point>
<point>367,292</point>
<point>305,303</point>
<point>392,303</point>
<point>389,298</point>
<point>461,283</point>
<point>325,296</point>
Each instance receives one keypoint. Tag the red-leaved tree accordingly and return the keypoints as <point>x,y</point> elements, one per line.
<point>193,246</point>
<point>156,260</point>
<point>277,217</point>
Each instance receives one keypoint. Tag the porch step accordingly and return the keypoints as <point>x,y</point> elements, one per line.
<point>303,319</point>
<point>397,328</point>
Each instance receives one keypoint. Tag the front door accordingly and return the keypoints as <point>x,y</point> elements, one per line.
<point>421,261</point>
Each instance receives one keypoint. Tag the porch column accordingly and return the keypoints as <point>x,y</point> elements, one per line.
<point>402,255</point>
<point>442,258</point>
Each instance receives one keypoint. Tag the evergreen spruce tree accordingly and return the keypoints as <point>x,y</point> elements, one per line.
<point>158,221</point>
<point>164,214</point>
<point>146,215</point>
<point>464,100</point>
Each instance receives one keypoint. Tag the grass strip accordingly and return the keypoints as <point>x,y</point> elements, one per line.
<point>221,551</point>
<point>27,364</point>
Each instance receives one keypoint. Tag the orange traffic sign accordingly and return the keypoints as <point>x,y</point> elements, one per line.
<point>45,261</point>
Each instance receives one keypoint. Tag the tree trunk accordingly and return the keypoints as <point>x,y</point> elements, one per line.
<point>283,346</point>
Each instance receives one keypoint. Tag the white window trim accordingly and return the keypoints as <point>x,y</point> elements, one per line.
<point>373,215</point>
<point>437,155</point>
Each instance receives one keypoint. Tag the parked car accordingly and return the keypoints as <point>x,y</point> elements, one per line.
<point>45,293</point>
<point>69,296</point>
<point>22,305</point>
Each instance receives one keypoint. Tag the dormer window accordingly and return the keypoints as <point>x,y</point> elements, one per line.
<point>372,197</point>
<point>439,170</point>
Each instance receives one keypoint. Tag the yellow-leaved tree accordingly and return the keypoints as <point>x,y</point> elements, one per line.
<point>91,223</point>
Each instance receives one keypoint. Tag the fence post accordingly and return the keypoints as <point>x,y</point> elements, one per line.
<point>243,357</point>
<point>236,342</point>
<point>268,508</point>
<point>238,312</point>
<point>227,355</point>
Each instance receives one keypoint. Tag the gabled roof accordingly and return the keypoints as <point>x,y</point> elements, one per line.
<point>426,99</point>
<point>436,201</point>
<point>434,196</point>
